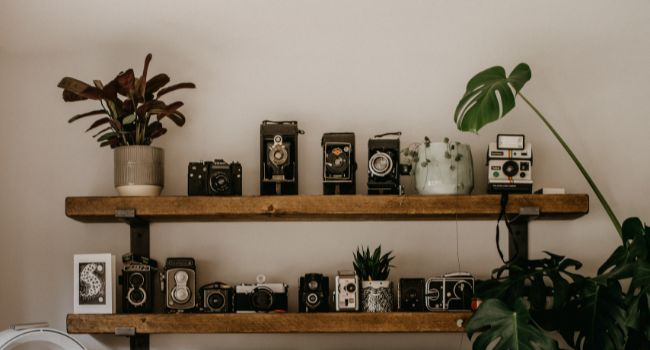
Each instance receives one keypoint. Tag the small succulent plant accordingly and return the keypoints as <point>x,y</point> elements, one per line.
<point>412,156</point>
<point>372,267</point>
<point>133,120</point>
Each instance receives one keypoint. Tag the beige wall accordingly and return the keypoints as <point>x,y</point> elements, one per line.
<point>362,66</point>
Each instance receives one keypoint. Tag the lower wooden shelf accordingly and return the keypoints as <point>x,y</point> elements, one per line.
<point>333,322</point>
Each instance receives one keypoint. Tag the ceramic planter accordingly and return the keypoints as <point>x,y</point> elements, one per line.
<point>139,170</point>
<point>444,168</point>
<point>377,296</point>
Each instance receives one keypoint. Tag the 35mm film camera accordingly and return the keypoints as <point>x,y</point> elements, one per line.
<point>216,178</point>
<point>452,291</point>
<point>384,167</point>
<point>179,284</point>
<point>339,164</point>
<point>313,293</point>
<point>279,157</point>
<point>137,281</point>
<point>510,165</point>
<point>261,297</point>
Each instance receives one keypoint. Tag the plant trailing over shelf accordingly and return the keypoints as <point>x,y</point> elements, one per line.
<point>588,312</point>
<point>372,267</point>
<point>133,120</point>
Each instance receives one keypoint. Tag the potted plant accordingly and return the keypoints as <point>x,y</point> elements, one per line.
<point>130,118</point>
<point>588,312</point>
<point>373,270</point>
<point>441,167</point>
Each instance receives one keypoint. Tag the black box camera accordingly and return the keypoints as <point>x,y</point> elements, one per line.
<point>383,164</point>
<point>137,281</point>
<point>410,294</point>
<point>216,297</point>
<point>279,157</point>
<point>339,164</point>
<point>180,284</point>
<point>313,293</point>
<point>216,178</point>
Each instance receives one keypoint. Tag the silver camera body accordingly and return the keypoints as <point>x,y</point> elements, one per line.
<point>180,284</point>
<point>453,291</point>
<point>261,297</point>
<point>346,294</point>
<point>510,165</point>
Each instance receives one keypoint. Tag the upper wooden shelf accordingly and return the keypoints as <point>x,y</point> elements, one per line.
<point>307,207</point>
<point>329,322</point>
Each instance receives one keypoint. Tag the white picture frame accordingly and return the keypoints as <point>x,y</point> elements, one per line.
<point>94,284</point>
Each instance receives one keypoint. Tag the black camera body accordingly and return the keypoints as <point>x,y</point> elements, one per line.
<point>216,178</point>
<point>410,294</point>
<point>314,293</point>
<point>383,165</point>
<point>216,297</point>
<point>453,291</point>
<point>180,284</point>
<point>261,297</point>
<point>279,157</point>
<point>137,281</point>
<point>339,164</point>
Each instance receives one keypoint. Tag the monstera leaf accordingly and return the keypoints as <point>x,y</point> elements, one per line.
<point>490,96</point>
<point>506,328</point>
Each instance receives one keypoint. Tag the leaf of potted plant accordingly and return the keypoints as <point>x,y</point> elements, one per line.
<point>130,124</point>
<point>441,167</point>
<point>373,270</point>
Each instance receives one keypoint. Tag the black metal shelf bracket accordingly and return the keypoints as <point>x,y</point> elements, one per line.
<point>139,228</point>
<point>518,238</point>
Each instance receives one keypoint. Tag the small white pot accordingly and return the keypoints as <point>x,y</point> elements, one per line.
<point>441,170</point>
<point>376,296</point>
<point>139,170</point>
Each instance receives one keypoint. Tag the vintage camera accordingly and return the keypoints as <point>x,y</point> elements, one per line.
<point>261,297</point>
<point>339,164</point>
<point>346,294</point>
<point>216,178</point>
<point>279,157</point>
<point>453,291</point>
<point>510,165</point>
<point>314,292</point>
<point>410,294</point>
<point>384,168</point>
<point>137,282</point>
<point>179,284</point>
<point>216,297</point>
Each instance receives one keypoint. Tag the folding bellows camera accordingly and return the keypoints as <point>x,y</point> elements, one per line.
<point>279,157</point>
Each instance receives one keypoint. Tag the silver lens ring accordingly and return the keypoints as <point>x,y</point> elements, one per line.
<point>380,164</point>
<point>139,292</point>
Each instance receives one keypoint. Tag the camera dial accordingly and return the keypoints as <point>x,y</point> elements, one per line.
<point>380,164</point>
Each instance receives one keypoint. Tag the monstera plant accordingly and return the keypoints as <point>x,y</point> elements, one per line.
<point>588,312</point>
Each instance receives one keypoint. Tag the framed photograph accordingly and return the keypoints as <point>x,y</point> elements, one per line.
<point>94,287</point>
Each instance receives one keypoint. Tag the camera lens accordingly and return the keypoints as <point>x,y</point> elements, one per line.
<point>312,285</point>
<point>216,300</point>
<point>337,161</point>
<point>220,182</point>
<point>181,295</point>
<point>351,287</point>
<point>136,296</point>
<point>136,279</point>
<point>411,294</point>
<point>312,299</point>
<point>510,168</point>
<point>262,299</point>
<point>380,164</point>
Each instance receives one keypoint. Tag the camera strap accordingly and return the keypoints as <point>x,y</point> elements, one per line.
<point>502,215</point>
<point>396,133</point>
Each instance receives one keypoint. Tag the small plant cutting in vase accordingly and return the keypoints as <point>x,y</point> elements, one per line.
<point>130,118</point>
<point>373,269</point>
<point>441,167</point>
<point>588,312</point>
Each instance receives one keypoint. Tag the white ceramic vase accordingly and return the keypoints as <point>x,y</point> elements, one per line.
<point>376,296</point>
<point>139,170</point>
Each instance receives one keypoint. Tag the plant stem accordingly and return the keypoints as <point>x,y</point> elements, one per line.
<point>584,172</point>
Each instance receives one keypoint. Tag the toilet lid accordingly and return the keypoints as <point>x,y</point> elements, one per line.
<point>10,338</point>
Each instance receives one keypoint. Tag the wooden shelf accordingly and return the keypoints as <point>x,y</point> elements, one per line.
<point>303,207</point>
<point>332,322</point>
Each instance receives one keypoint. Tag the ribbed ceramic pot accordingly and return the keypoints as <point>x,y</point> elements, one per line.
<point>139,170</point>
<point>447,171</point>
<point>377,296</point>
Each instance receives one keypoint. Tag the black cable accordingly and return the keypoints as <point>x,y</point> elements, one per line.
<point>502,215</point>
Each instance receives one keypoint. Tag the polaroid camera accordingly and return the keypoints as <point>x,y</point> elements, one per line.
<point>510,165</point>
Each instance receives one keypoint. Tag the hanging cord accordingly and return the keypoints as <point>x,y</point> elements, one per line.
<point>502,215</point>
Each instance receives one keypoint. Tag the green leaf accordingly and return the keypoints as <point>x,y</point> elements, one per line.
<point>128,119</point>
<point>489,96</point>
<point>506,329</point>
